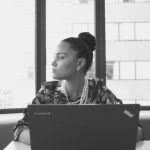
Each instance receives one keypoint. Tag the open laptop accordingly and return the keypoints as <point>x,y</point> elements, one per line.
<point>83,127</point>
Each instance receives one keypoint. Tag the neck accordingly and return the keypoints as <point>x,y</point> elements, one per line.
<point>75,85</point>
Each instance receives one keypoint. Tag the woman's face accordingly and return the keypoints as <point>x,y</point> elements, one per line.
<point>64,65</point>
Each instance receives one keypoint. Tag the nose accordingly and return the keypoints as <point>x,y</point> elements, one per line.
<point>54,63</point>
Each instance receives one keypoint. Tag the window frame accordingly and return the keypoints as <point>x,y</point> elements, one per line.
<point>40,50</point>
<point>40,47</point>
<point>40,43</point>
<point>100,39</point>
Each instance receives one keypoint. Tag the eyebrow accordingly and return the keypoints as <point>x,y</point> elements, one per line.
<point>61,54</point>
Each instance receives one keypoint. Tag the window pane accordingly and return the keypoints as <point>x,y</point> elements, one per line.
<point>143,31</point>
<point>131,50</point>
<point>125,1</point>
<point>17,48</point>
<point>142,0</point>
<point>112,1</point>
<point>127,70</point>
<point>142,72</point>
<point>79,27</point>
<point>111,32</point>
<point>126,31</point>
<point>74,17</point>
<point>91,28</point>
<point>112,70</point>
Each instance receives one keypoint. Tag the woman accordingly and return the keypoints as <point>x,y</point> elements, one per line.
<point>72,61</point>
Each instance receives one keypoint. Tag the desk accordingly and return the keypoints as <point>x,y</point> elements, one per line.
<point>143,145</point>
<point>17,146</point>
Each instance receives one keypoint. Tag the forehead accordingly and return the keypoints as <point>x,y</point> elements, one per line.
<point>65,48</point>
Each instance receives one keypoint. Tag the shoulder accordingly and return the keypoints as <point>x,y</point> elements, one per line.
<point>96,82</point>
<point>48,93</point>
<point>102,94</point>
<point>48,86</point>
<point>99,83</point>
<point>51,85</point>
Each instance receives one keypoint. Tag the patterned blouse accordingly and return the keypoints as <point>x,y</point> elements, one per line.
<point>52,93</point>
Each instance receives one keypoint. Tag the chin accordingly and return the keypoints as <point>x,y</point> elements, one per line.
<point>59,76</point>
<point>56,77</point>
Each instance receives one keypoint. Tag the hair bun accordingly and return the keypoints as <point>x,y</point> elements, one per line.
<point>89,39</point>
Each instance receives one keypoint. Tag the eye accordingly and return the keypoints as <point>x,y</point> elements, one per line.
<point>60,57</point>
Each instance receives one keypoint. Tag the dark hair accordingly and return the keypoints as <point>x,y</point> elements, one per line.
<point>84,44</point>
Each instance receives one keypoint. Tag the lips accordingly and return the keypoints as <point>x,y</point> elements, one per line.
<point>53,70</point>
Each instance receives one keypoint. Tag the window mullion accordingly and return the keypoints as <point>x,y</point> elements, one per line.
<point>100,39</point>
<point>40,43</point>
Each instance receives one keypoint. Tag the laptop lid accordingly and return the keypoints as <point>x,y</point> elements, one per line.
<point>83,127</point>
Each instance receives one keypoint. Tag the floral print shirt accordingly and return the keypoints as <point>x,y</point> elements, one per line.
<point>51,93</point>
<point>98,93</point>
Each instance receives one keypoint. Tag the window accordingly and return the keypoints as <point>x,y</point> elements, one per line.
<point>79,27</point>
<point>112,1</point>
<point>142,0</point>
<point>112,70</point>
<point>18,45</point>
<point>126,31</point>
<point>111,32</point>
<point>127,1</point>
<point>72,20</point>
<point>91,28</point>
<point>143,72</point>
<point>143,31</point>
<point>17,48</point>
<point>127,70</point>
<point>131,52</point>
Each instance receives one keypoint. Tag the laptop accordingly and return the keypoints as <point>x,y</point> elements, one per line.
<point>83,127</point>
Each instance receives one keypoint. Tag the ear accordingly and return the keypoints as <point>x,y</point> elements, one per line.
<point>81,63</point>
